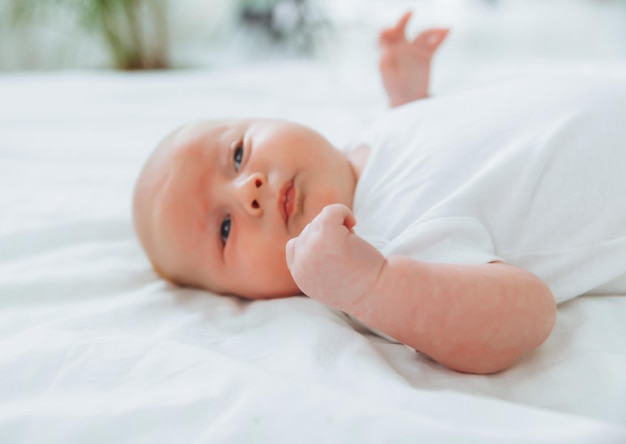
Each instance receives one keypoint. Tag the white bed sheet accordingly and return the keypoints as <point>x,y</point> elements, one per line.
<point>95,348</point>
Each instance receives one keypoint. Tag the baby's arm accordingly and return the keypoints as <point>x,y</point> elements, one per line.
<point>471,318</point>
<point>405,65</point>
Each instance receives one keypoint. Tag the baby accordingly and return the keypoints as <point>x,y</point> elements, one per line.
<point>477,213</point>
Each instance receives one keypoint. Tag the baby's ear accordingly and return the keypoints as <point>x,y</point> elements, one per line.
<point>430,39</point>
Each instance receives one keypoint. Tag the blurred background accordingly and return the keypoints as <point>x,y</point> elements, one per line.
<point>188,34</point>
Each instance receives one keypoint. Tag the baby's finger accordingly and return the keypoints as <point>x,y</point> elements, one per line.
<point>349,221</point>
<point>395,33</point>
<point>430,39</point>
<point>338,214</point>
<point>401,25</point>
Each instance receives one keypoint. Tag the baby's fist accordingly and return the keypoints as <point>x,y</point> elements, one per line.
<point>332,264</point>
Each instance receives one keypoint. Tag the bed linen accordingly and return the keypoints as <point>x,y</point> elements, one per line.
<point>95,348</point>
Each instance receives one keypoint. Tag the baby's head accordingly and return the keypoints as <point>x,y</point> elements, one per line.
<point>217,201</point>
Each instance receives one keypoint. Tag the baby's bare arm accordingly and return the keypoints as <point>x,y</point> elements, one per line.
<point>472,318</point>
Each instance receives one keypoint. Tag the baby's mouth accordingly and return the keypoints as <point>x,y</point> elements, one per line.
<point>287,201</point>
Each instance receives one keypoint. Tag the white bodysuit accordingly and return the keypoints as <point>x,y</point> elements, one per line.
<point>530,172</point>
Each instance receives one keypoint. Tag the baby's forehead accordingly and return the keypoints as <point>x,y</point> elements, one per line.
<point>191,134</point>
<point>179,145</point>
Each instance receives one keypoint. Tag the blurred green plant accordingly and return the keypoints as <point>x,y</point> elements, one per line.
<point>134,32</point>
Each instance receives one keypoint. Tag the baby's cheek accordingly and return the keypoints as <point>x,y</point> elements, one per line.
<point>265,265</point>
<point>299,225</point>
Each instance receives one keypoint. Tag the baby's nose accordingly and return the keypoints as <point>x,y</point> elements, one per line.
<point>249,193</point>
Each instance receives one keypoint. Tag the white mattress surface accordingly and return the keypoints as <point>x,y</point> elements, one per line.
<point>95,348</point>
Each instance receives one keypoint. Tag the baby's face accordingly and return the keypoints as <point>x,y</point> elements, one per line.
<point>218,201</point>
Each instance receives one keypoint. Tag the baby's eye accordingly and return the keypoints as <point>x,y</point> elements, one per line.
<point>225,229</point>
<point>238,157</point>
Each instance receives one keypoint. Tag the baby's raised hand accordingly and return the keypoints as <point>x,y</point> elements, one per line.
<point>332,264</point>
<point>405,65</point>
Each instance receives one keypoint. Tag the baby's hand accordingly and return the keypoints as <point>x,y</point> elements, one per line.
<point>405,65</point>
<point>332,264</point>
